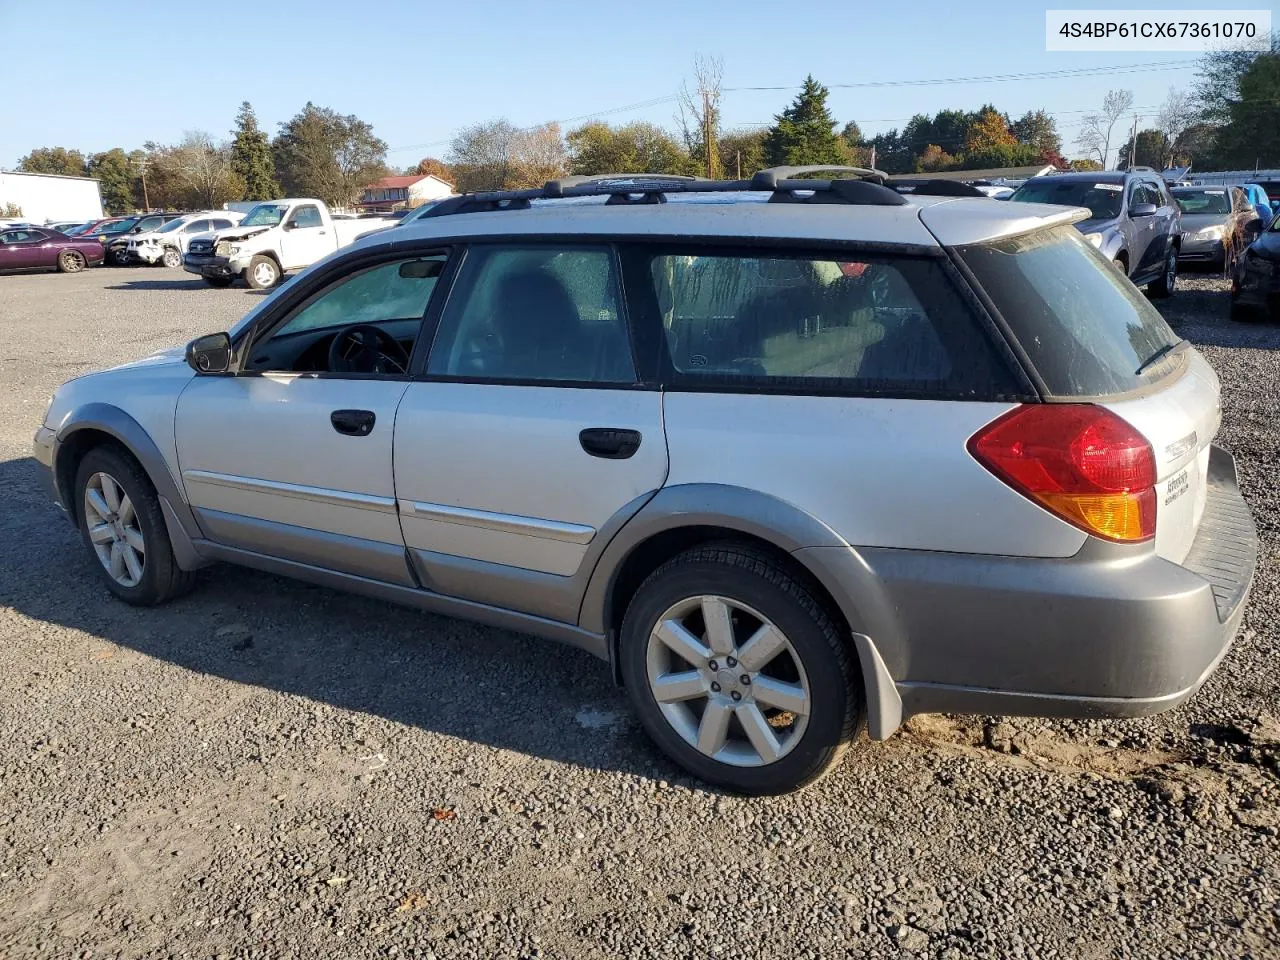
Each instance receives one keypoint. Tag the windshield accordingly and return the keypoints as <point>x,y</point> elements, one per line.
<point>1202,201</point>
<point>119,227</point>
<point>265,215</point>
<point>1086,328</point>
<point>1102,199</point>
<point>173,225</point>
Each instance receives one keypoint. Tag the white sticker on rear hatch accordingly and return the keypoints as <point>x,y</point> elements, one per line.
<point>1113,187</point>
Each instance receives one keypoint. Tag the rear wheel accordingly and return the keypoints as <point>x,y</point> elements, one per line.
<point>738,672</point>
<point>1168,280</point>
<point>263,273</point>
<point>71,261</point>
<point>218,281</point>
<point>172,258</point>
<point>124,530</point>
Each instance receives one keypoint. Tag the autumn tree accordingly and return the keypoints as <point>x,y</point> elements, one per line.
<point>251,158</point>
<point>1148,150</point>
<point>58,160</point>
<point>933,158</point>
<point>497,155</point>
<point>638,147</point>
<point>196,173</point>
<point>804,133</point>
<point>322,153</point>
<point>431,167</point>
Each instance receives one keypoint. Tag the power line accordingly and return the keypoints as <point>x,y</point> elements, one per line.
<point>1151,67</point>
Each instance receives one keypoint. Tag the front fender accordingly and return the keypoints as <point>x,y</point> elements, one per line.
<point>820,550</point>
<point>105,418</point>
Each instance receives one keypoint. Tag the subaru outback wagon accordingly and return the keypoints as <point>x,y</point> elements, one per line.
<point>793,456</point>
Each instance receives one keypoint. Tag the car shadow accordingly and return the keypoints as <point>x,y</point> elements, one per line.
<point>194,283</point>
<point>449,676</point>
<point>1203,316</point>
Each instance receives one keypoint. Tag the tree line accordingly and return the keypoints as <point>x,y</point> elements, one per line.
<point>316,153</point>
<point>1230,121</point>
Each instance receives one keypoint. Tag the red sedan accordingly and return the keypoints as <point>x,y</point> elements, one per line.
<point>27,247</point>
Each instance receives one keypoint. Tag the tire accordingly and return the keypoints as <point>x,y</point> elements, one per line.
<point>1121,266</point>
<point>156,578</point>
<point>171,258</point>
<point>117,258</point>
<point>263,273</point>
<point>757,592</point>
<point>219,282</point>
<point>1167,282</point>
<point>70,261</point>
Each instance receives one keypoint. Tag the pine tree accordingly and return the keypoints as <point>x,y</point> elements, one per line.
<point>804,133</point>
<point>251,157</point>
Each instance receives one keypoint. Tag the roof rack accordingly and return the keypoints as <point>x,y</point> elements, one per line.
<point>648,188</point>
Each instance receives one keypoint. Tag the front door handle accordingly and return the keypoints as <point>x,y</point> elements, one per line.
<point>354,423</point>
<point>610,443</point>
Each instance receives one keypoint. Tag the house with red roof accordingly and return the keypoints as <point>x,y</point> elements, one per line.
<point>398,193</point>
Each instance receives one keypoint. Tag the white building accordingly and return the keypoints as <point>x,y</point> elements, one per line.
<point>392,193</point>
<point>43,197</point>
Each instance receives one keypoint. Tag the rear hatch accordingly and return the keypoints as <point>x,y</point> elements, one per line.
<point>1092,337</point>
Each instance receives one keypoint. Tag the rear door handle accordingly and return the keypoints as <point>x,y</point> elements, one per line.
<point>354,423</point>
<point>610,443</point>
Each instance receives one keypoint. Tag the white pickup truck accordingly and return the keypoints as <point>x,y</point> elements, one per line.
<point>274,238</point>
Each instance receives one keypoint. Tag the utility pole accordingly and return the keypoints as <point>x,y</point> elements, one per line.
<point>738,159</point>
<point>706,131</point>
<point>1133,141</point>
<point>142,172</point>
<point>873,156</point>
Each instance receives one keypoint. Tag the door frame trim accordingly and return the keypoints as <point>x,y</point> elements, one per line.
<point>578,533</point>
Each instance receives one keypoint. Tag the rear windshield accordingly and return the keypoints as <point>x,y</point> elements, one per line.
<point>1086,328</point>
<point>1203,201</point>
<point>1102,199</point>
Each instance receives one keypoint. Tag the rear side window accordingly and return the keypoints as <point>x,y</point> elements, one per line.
<point>846,324</point>
<point>1087,329</point>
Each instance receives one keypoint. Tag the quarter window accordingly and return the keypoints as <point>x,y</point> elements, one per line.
<point>535,313</point>
<point>861,325</point>
<point>197,226</point>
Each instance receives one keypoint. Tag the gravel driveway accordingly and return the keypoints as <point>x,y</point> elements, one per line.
<point>269,769</point>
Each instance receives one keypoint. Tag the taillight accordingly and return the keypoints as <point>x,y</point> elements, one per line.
<point>1079,461</point>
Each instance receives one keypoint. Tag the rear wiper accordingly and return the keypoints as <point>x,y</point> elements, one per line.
<point>1159,355</point>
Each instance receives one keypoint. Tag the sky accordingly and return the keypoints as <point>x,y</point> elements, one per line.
<point>108,75</point>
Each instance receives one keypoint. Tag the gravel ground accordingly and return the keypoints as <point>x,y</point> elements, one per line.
<point>270,769</point>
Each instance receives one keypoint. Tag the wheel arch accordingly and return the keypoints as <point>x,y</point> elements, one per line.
<point>97,424</point>
<point>683,516</point>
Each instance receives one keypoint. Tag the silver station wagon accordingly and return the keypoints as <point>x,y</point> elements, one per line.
<point>794,456</point>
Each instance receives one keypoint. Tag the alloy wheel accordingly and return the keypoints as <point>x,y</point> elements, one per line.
<point>1171,271</point>
<point>264,275</point>
<point>114,530</point>
<point>728,681</point>
<point>172,258</point>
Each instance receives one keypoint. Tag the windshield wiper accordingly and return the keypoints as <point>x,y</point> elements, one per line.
<point>1159,355</point>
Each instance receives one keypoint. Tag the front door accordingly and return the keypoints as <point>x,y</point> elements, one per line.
<point>530,435</point>
<point>26,248</point>
<point>305,238</point>
<point>292,457</point>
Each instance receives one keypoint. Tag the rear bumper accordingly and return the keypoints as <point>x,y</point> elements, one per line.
<point>1111,632</point>
<point>1258,283</point>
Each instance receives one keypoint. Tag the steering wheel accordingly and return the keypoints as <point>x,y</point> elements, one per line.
<point>364,348</point>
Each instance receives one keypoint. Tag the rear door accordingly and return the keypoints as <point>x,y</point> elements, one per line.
<point>530,435</point>
<point>1093,338</point>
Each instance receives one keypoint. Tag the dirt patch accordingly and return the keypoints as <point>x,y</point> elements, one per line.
<point>1230,773</point>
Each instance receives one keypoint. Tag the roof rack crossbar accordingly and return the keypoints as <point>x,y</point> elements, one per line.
<point>648,188</point>
<point>765,179</point>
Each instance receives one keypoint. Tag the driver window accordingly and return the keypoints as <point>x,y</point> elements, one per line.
<point>387,302</point>
<point>307,216</point>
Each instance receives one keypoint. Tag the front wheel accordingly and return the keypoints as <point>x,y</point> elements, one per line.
<point>738,672</point>
<point>124,531</point>
<point>172,258</point>
<point>262,273</point>
<point>71,261</point>
<point>1168,280</point>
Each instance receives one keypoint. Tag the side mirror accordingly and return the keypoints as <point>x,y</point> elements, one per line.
<point>289,225</point>
<point>1143,210</point>
<point>210,353</point>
